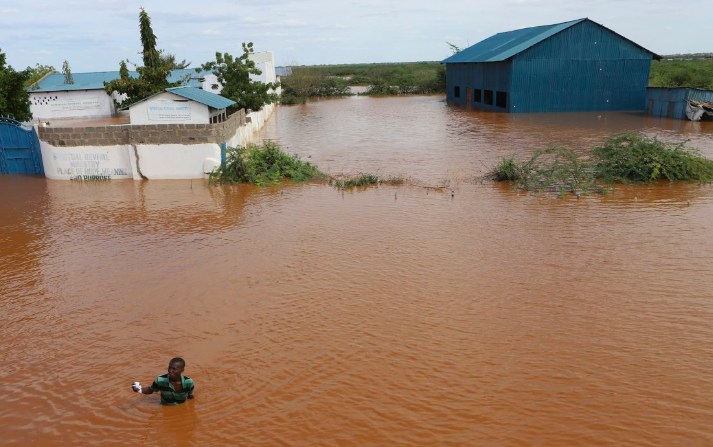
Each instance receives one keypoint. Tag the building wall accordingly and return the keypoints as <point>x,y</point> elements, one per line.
<point>141,113</point>
<point>47,106</point>
<point>492,76</point>
<point>143,134</point>
<point>585,67</point>
<point>671,102</point>
<point>174,151</point>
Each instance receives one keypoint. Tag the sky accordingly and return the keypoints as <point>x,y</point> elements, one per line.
<point>94,35</point>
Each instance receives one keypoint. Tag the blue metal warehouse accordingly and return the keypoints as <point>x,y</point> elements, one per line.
<point>577,65</point>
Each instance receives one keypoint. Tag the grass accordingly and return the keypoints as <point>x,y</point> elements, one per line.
<point>624,158</point>
<point>349,182</point>
<point>263,165</point>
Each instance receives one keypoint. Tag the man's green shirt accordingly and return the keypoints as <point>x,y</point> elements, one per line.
<point>169,395</point>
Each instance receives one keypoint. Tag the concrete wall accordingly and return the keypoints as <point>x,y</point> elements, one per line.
<point>47,106</point>
<point>145,112</point>
<point>143,134</point>
<point>173,151</point>
<point>86,162</point>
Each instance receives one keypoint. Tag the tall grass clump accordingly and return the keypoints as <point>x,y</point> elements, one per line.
<point>263,166</point>
<point>555,169</point>
<point>623,158</point>
<point>635,158</point>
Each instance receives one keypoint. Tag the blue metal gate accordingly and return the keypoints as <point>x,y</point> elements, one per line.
<point>19,149</point>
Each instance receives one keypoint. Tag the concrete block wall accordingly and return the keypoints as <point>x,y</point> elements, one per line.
<point>144,134</point>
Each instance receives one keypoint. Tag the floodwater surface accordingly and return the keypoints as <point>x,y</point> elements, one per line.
<point>380,316</point>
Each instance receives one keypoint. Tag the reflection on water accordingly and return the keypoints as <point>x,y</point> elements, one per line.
<point>309,317</point>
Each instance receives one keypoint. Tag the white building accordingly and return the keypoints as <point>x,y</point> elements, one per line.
<point>181,105</point>
<point>54,98</point>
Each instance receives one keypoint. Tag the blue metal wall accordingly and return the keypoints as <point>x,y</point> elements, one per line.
<point>671,102</point>
<point>585,67</point>
<point>493,76</point>
<point>19,149</point>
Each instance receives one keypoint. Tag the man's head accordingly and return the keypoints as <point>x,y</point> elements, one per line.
<point>175,368</point>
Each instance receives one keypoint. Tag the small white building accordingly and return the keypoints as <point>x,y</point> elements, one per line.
<point>181,105</point>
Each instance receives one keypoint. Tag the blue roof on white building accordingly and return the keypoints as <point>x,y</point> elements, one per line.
<point>202,96</point>
<point>194,94</point>
<point>95,80</point>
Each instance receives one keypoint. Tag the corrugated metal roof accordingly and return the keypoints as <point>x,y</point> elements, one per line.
<point>202,96</point>
<point>505,45</point>
<point>96,80</point>
<point>82,81</point>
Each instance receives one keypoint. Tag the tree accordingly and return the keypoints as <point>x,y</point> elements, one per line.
<point>169,60</point>
<point>454,48</point>
<point>68,79</point>
<point>123,71</point>
<point>14,99</point>
<point>153,76</point>
<point>36,73</point>
<point>233,73</point>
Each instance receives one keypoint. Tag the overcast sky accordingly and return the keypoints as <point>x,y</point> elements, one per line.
<point>94,35</point>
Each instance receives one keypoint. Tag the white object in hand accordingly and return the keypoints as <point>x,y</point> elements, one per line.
<point>137,387</point>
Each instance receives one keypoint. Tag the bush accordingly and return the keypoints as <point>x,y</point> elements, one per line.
<point>634,158</point>
<point>624,158</point>
<point>266,165</point>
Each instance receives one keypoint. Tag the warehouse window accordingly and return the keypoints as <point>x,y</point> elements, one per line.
<point>456,92</point>
<point>489,97</point>
<point>477,95</point>
<point>501,99</point>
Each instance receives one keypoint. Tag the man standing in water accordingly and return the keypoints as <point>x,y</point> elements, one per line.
<point>175,388</point>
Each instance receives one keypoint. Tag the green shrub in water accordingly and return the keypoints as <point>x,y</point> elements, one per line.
<point>635,158</point>
<point>266,165</point>
<point>556,169</point>
<point>624,158</point>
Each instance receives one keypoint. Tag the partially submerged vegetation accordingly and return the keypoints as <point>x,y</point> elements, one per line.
<point>353,181</point>
<point>623,158</point>
<point>263,165</point>
<point>269,165</point>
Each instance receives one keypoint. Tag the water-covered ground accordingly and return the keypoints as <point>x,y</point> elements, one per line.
<point>383,316</point>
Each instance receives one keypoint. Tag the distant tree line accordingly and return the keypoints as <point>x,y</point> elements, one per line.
<point>681,73</point>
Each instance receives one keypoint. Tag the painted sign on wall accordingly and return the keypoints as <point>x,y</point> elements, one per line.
<point>88,166</point>
<point>64,105</point>
<point>167,110</point>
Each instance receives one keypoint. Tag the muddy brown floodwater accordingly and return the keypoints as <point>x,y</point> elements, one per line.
<point>383,316</point>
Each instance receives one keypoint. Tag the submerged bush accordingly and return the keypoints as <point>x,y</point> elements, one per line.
<point>556,169</point>
<point>635,158</point>
<point>266,165</point>
<point>364,180</point>
<point>624,158</point>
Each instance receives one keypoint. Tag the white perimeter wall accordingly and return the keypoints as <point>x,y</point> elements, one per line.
<point>48,106</point>
<point>155,161</point>
<point>139,113</point>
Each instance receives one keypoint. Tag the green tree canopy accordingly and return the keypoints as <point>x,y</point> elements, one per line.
<point>14,99</point>
<point>233,74</point>
<point>153,76</point>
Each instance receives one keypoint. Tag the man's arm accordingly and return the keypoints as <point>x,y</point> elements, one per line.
<point>146,390</point>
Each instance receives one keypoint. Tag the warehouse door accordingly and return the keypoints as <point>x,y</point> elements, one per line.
<point>468,97</point>
<point>19,149</point>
